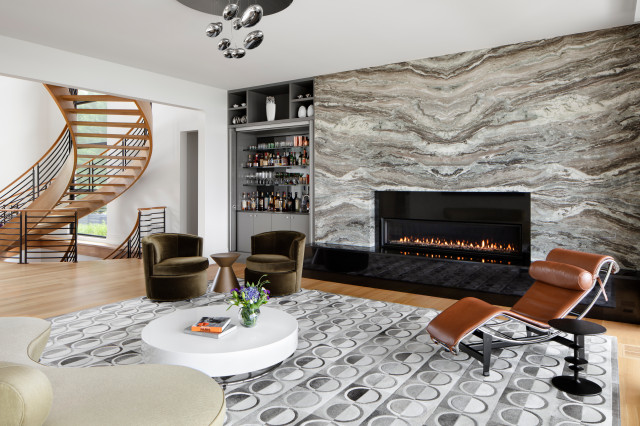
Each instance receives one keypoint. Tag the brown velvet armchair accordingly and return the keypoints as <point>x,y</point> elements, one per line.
<point>279,255</point>
<point>174,268</point>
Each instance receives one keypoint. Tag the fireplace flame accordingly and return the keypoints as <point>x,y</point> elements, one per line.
<point>438,243</point>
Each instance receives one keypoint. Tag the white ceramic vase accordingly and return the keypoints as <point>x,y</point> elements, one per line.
<point>271,111</point>
<point>302,112</point>
<point>310,111</point>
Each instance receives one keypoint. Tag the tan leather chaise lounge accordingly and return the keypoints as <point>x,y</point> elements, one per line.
<point>563,281</point>
<point>140,395</point>
<point>174,268</point>
<point>279,255</point>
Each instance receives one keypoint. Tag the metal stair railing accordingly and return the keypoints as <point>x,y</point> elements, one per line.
<point>41,234</point>
<point>24,190</point>
<point>151,220</point>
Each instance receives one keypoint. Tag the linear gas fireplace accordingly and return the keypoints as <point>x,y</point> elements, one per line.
<point>493,227</point>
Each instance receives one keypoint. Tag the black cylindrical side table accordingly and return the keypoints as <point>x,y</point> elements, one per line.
<point>576,385</point>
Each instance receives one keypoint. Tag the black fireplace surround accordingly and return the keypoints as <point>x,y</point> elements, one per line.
<point>489,227</point>
<point>405,259</point>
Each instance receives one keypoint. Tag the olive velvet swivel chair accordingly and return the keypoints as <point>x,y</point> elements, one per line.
<point>174,268</point>
<point>279,255</point>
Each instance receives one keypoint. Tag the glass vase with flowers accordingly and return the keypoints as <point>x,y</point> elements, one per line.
<point>248,299</point>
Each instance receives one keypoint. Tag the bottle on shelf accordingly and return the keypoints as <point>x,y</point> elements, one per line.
<point>261,202</point>
<point>296,203</point>
<point>252,203</point>
<point>277,203</point>
<point>289,203</point>
<point>244,202</point>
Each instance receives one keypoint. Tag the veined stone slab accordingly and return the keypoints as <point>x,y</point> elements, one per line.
<point>559,118</point>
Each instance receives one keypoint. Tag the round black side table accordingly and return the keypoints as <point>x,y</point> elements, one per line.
<point>579,328</point>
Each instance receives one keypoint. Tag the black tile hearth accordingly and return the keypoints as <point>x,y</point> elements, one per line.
<point>493,282</point>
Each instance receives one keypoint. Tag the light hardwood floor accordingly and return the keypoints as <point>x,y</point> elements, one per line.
<point>50,289</point>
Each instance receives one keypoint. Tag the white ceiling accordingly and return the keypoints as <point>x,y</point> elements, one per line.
<point>311,37</point>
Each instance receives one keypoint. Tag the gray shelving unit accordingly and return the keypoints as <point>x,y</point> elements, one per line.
<point>244,140</point>
<point>255,98</point>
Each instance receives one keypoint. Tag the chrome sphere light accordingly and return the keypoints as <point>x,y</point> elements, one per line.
<point>238,53</point>
<point>251,16</point>
<point>253,39</point>
<point>224,44</point>
<point>214,29</point>
<point>230,11</point>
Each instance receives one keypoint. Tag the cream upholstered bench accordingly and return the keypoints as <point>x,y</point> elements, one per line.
<point>33,394</point>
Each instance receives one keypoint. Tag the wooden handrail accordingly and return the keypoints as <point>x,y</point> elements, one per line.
<point>151,208</point>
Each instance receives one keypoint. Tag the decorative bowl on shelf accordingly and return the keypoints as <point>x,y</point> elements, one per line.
<point>236,105</point>
<point>244,104</point>
<point>300,96</point>
<point>308,95</point>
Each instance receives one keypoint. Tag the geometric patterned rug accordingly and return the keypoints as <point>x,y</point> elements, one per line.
<point>364,362</point>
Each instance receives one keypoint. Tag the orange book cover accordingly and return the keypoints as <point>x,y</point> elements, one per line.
<point>211,324</point>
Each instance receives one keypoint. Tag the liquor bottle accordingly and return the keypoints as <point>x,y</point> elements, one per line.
<point>272,202</point>
<point>296,203</point>
<point>278,160</point>
<point>276,203</point>
<point>289,203</point>
<point>244,202</point>
<point>304,157</point>
<point>252,202</point>
<point>261,202</point>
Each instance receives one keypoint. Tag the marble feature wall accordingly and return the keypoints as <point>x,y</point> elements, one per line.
<point>559,118</point>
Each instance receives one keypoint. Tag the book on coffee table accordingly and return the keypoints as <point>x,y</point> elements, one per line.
<point>228,330</point>
<point>211,324</point>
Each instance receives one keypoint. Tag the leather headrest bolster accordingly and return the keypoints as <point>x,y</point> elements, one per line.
<point>561,275</point>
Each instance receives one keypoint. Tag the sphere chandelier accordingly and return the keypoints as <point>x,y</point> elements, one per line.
<point>248,18</point>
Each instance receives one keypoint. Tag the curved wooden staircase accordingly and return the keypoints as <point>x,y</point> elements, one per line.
<point>102,159</point>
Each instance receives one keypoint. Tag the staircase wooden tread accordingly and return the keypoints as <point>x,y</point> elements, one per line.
<point>95,98</point>
<point>111,157</point>
<point>110,136</point>
<point>109,124</point>
<point>105,146</point>
<point>104,176</point>
<point>90,193</point>
<point>103,111</point>
<point>81,201</point>
<point>96,166</point>
<point>76,184</point>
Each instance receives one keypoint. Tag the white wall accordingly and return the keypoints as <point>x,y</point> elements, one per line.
<point>41,63</point>
<point>160,183</point>
<point>23,104</point>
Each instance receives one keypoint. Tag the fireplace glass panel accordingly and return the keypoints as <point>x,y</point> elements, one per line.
<point>487,238</point>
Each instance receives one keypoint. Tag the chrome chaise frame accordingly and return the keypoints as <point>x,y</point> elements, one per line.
<point>494,339</point>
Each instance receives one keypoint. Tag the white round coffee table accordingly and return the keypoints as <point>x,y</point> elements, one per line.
<point>272,340</point>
